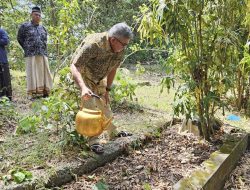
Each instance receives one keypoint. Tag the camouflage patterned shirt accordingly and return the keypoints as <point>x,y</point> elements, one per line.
<point>95,58</point>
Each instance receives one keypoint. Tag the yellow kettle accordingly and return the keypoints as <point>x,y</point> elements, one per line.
<point>91,122</point>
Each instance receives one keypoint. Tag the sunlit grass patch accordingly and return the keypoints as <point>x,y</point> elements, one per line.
<point>150,96</point>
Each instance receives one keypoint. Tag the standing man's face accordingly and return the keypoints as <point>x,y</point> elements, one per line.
<point>36,17</point>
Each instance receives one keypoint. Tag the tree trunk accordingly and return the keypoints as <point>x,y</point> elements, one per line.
<point>240,90</point>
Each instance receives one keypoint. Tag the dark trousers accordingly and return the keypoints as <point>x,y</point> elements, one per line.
<point>5,81</point>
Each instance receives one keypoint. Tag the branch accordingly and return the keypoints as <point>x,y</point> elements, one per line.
<point>90,19</point>
<point>60,66</point>
<point>12,6</point>
<point>161,50</point>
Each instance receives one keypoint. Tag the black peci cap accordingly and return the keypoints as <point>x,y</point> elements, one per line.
<point>36,9</point>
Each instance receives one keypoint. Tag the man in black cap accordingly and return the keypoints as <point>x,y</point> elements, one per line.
<point>33,39</point>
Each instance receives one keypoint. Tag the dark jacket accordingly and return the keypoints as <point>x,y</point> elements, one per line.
<point>4,41</point>
<point>33,39</point>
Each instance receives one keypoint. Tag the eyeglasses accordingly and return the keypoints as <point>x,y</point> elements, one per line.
<point>37,14</point>
<point>122,43</point>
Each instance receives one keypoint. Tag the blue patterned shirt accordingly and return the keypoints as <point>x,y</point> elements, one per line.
<point>4,40</point>
<point>33,39</point>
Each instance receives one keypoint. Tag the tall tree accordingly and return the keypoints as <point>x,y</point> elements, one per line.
<point>206,38</point>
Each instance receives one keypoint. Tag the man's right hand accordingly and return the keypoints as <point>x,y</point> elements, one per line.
<point>86,93</point>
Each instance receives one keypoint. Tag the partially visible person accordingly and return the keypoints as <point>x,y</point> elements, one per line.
<point>33,39</point>
<point>5,79</point>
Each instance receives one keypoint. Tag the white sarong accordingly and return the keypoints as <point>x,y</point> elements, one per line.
<point>39,79</point>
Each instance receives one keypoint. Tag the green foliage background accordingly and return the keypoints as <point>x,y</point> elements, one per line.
<point>206,41</point>
<point>67,22</point>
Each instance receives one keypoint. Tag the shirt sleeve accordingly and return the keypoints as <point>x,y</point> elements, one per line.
<point>4,39</point>
<point>46,34</point>
<point>84,54</point>
<point>21,36</point>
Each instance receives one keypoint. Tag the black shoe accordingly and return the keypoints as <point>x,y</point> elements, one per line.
<point>124,134</point>
<point>45,95</point>
<point>97,148</point>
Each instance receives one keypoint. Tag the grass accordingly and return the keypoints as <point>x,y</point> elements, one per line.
<point>43,149</point>
<point>18,82</point>
<point>150,97</point>
<point>242,124</point>
<point>151,107</point>
<point>39,153</point>
<point>28,151</point>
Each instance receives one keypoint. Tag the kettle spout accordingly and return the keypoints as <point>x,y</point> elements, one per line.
<point>106,122</point>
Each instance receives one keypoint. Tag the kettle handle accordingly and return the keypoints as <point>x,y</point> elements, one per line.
<point>94,96</point>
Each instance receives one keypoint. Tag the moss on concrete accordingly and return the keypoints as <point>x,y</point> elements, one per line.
<point>218,167</point>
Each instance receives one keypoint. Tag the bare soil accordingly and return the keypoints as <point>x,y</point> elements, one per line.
<point>159,165</point>
<point>240,177</point>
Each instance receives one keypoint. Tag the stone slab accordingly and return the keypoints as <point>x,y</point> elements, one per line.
<point>218,167</point>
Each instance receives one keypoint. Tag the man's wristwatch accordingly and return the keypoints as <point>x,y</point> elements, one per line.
<point>108,89</point>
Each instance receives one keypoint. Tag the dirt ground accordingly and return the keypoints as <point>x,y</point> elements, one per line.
<point>46,150</point>
<point>20,104</point>
<point>240,177</point>
<point>159,165</point>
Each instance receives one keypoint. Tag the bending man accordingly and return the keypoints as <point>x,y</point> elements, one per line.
<point>94,66</point>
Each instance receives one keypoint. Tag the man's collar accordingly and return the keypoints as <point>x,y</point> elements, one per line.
<point>34,23</point>
<point>107,43</point>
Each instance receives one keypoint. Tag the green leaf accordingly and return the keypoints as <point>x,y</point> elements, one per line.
<point>28,175</point>
<point>100,185</point>
<point>146,186</point>
<point>91,177</point>
<point>19,177</point>
<point>6,179</point>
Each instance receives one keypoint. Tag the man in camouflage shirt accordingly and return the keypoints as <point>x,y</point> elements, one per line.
<point>32,37</point>
<point>94,66</point>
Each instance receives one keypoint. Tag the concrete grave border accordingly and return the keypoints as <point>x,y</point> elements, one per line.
<point>218,167</point>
